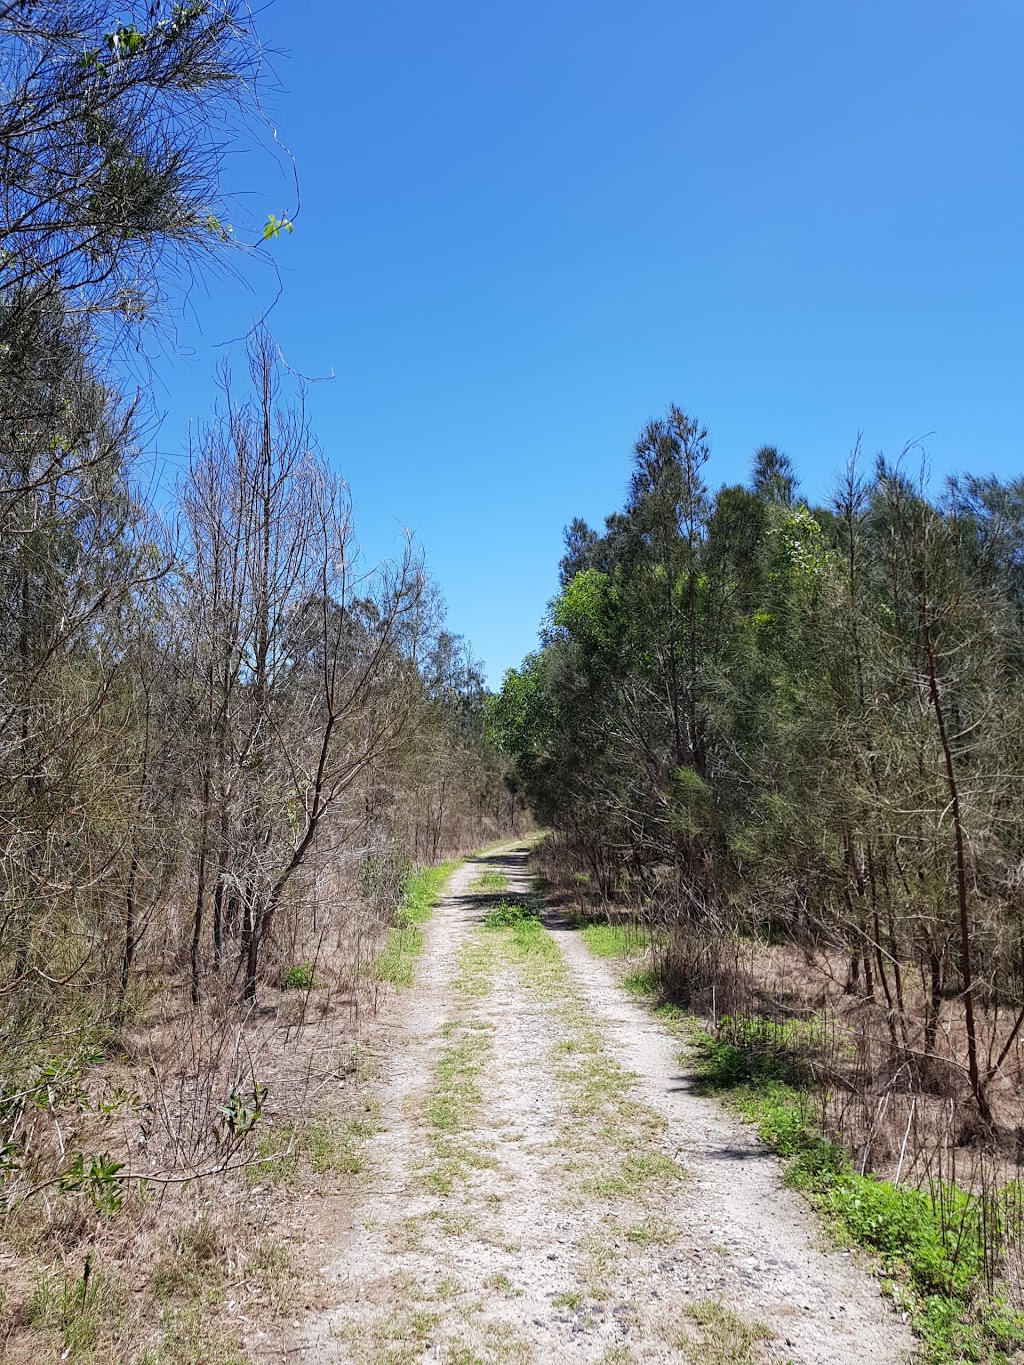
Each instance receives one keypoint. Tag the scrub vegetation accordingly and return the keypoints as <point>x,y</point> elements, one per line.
<point>779,749</point>
<point>232,754</point>
<point>782,742</point>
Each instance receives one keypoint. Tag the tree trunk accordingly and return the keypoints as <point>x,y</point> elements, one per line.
<point>978,1088</point>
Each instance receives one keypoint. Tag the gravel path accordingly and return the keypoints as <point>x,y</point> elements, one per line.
<point>547,1185</point>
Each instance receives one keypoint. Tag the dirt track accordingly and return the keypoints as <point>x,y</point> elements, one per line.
<point>546,1185</point>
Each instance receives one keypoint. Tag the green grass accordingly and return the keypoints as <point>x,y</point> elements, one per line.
<point>615,940</point>
<point>456,1094</point>
<point>636,1172</point>
<point>932,1244</point>
<point>624,941</point>
<point>405,941</point>
<point>643,984</point>
<point>510,915</point>
<point>321,1144</point>
<point>490,881</point>
<point>103,1318</point>
<point>652,1232</point>
<point>722,1336</point>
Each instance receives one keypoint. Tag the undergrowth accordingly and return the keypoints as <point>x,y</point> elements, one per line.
<point>935,1244</point>
<point>321,1145</point>
<point>616,940</point>
<point>405,939</point>
<point>510,915</point>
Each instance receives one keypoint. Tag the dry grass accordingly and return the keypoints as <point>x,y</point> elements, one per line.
<point>221,1120</point>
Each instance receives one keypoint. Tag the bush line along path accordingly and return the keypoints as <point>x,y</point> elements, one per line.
<point>547,1185</point>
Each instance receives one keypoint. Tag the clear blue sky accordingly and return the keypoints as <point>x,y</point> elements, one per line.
<point>525,229</point>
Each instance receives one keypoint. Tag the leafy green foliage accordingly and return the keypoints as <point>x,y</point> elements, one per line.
<point>935,1244</point>
<point>98,1177</point>
<point>491,880</point>
<point>510,915</point>
<point>275,226</point>
<point>238,1116</point>
<point>297,977</point>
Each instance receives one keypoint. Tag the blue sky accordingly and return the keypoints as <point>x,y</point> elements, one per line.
<point>525,230</point>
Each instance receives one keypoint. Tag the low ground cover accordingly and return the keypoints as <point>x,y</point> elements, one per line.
<point>945,1250</point>
<point>163,1237</point>
<point>404,944</point>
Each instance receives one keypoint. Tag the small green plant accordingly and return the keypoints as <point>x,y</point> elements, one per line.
<point>298,977</point>
<point>760,1050</point>
<point>510,915</point>
<point>98,1177</point>
<point>238,1116</point>
<point>489,880</point>
<point>274,226</point>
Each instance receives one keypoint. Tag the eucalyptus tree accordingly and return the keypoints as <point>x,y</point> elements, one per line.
<point>304,664</point>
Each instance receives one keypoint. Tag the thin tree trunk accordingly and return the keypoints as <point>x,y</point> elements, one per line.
<point>195,963</point>
<point>966,971</point>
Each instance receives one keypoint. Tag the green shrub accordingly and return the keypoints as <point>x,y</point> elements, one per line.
<point>298,977</point>
<point>510,914</point>
<point>934,1244</point>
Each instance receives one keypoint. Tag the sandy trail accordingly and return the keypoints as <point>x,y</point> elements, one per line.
<point>547,1185</point>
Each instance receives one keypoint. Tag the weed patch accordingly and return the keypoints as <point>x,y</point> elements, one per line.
<point>298,977</point>
<point>616,940</point>
<point>721,1336</point>
<point>933,1244</point>
<point>510,915</point>
<point>323,1144</point>
<point>490,881</point>
<point>405,940</point>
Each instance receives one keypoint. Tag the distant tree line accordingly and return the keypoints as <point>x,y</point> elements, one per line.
<point>767,716</point>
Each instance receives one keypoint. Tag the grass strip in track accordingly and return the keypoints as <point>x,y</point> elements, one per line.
<point>615,1141</point>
